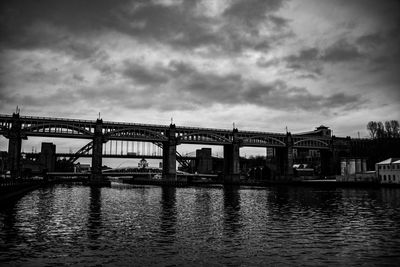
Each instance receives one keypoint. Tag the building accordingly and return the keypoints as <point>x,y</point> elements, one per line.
<point>351,166</point>
<point>204,162</point>
<point>355,170</point>
<point>388,171</point>
<point>48,156</point>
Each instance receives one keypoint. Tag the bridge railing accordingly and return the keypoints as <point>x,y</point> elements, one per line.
<point>56,119</point>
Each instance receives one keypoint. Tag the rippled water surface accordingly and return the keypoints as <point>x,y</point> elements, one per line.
<point>142,226</point>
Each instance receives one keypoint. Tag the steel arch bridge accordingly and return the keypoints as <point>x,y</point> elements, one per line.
<point>85,129</point>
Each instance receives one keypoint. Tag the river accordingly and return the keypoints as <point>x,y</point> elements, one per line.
<point>162,226</point>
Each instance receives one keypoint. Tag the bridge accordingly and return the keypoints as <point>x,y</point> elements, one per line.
<point>72,157</point>
<point>16,128</point>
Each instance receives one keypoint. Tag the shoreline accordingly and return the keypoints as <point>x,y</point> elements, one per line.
<point>18,190</point>
<point>313,183</point>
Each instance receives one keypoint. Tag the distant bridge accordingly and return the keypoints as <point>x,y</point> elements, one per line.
<point>71,156</point>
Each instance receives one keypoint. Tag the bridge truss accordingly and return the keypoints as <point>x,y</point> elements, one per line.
<point>157,134</point>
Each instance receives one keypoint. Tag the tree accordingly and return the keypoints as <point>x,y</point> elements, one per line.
<point>380,132</point>
<point>390,129</point>
<point>372,127</point>
<point>395,128</point>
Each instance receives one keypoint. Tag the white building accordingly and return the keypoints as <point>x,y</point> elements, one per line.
<point>388,171</point>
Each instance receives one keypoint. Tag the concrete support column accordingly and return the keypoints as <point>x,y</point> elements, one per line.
<point>289,162</point>
<point>232,160</point>
<point>352,166</point>
<point>169,155</point>
<point>364,165</point>
<point>97,155</point>
<point>358,166</point>
<point>280,153</point>
<point>284,158</point>
<point>343,167</point>
<point>14,147</point>
<point>326,162</point>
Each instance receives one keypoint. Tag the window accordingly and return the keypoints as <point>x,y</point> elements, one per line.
<point>384,177</point>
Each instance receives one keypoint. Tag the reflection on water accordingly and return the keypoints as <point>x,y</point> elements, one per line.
<point>94,217</point>
<point>168,215</point>
<point>144,226</point>
<point>231,211</point>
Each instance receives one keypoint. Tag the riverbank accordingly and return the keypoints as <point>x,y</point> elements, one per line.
<point>13,190</point>
<point>200,183</point>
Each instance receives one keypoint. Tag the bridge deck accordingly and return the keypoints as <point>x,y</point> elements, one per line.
<point>84,129</point>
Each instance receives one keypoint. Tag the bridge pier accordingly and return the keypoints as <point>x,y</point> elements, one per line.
<point>96,177</point>
<point>232,160</point>
<point>14,136</point>
<point>284,157</point>
<point>169,155</point>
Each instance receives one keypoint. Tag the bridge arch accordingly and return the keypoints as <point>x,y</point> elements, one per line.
<point>137,132</point>
<point>298,143</point>
<point>265,139</point>
<point>213,137</point>
<point>58,127</point>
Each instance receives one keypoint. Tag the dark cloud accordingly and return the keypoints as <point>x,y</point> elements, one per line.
<point>252,12</point>
<point>383,48</point>
<point>278,95</point>
<point>209,88</point>
<point>341,51</point>
<point>307,60</point>
<point>371,40</point>
<point>143,75</point>
<point>311,60</point>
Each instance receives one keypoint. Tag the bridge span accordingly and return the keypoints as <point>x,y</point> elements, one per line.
<point>16,128</point>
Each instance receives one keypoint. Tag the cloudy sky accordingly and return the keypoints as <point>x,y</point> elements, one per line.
<point>262,64</point>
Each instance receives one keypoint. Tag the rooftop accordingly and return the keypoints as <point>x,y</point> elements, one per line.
<point>389,161</point>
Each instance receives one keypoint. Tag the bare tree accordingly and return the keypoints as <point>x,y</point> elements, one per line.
<point>372,127</point>
<point>395,128</point>
<point>388,127</point>
<point>380,132</point>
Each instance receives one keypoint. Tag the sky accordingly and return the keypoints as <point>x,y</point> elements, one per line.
<point>263,65</point>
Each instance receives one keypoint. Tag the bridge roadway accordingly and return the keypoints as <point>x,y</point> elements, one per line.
<point>128,156</point>
<point>122,174</point>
